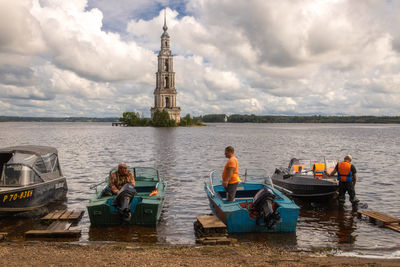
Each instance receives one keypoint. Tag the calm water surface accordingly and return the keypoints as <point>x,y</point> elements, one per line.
<point>184,157</point>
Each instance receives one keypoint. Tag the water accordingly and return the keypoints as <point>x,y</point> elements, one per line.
<point>184,157</point>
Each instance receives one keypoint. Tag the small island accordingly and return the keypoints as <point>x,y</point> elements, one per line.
<point>161,118</point>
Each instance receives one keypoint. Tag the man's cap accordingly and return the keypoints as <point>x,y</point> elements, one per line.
<point>122,165</point>
<point>349,157</point>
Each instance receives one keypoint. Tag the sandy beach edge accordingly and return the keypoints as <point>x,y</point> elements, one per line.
<point>123,254</point>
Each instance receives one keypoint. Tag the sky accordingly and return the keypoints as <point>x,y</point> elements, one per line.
<point>98,58</point>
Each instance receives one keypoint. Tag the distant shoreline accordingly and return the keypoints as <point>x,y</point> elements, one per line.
<point>221,118</point>
<point>56,119</point>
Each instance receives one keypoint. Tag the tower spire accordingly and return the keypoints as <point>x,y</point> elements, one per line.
<point>165,28</point>
<point>165,92</point>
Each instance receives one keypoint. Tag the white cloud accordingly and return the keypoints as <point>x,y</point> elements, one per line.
<point>262,57</point>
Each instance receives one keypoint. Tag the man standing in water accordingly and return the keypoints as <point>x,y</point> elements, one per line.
<point>347,176</point>
<point>230,175</point>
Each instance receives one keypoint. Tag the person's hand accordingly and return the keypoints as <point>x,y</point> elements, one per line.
<point>225,184</point>
<point>326,174</point>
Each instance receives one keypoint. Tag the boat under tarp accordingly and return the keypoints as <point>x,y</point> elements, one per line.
<point>31,178</point>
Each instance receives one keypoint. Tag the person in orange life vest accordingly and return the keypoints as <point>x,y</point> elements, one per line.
<point>347,176</point>
<point>230,175</point>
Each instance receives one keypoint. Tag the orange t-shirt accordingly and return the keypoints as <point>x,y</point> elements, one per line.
<point>232,162</point>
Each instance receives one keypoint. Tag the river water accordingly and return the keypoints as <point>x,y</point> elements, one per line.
<point>185,156</point>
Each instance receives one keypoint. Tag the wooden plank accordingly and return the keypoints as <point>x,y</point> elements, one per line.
<point>59,225</point>
<point>215,240</point>
<point>48,216</point>
<point>53,215</point>
<point>393,227</point>
<point>76,215</point>
<point>66,215</point>
<point>53,233</point>
<point>376,215</point>
<point>210,222</point>
<point>58,214</point>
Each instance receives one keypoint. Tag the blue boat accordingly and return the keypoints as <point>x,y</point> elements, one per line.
<point>258,206</point>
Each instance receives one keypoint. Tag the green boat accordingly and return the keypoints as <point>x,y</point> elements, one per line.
<point>145,206</point>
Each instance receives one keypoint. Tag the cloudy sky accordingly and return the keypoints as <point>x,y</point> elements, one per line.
<point>97,58</point>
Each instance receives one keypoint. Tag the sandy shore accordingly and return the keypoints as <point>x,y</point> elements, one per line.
<point>124,254</point>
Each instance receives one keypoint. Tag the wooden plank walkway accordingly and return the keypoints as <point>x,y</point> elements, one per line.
<point>61,221</point>
<point>210,222</point>
<point>53,233</point>
<point>393,227</point>
<point>381,219</point>
<point>63,215</point>
<point>210,230</point>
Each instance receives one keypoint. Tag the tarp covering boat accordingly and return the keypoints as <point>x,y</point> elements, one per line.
<point>30,177</point>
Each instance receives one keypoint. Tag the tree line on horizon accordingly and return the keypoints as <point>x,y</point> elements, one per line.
<point>56,119</point>
<point>162,120</point>
<point>239,118</point>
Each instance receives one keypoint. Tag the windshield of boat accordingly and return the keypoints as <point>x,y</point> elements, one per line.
<point>330,164</point>
<point>18,175</point>
<point>146,174</point>
<point>250,176</point>
<point>300,165</point>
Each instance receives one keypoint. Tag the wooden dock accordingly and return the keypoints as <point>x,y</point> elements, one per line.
<point>210,230</point>
<point>381,219</point>
<point>60,222</point>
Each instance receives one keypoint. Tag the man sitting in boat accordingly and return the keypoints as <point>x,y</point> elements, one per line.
<point>230,175</point>
<point>119,178</point>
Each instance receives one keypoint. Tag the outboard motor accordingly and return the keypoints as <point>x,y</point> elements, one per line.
<point>262,207</point>
<point>123,201</point>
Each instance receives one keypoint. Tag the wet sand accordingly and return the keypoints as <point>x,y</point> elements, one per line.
<point>124,254</point>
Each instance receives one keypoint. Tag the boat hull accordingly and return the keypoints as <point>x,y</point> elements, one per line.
<point>306,186</point>
<point>29,198</point>
<point>238,219</point>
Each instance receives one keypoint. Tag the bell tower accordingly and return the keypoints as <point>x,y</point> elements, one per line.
<point>165,92</point>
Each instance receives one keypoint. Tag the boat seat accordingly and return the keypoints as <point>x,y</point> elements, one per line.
<point>240,194</point>
<point>141,189</point>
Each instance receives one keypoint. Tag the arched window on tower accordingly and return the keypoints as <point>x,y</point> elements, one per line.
<point>166,83</point>
<point>166,66</point>
<point>167,103</point>
<point>166,43</point>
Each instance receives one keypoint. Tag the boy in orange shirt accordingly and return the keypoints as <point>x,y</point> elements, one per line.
<point>230,175</point>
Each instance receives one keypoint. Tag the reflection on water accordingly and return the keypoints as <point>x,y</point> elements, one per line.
<point>126,233</point>
<point>346,226</point>
<point>185,156</point>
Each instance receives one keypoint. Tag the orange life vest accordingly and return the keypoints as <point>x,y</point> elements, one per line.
<point>298,168</point>
<point>344,172</point>
<point>319,169</point>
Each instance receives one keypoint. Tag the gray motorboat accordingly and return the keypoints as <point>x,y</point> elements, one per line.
<point>30,178</point>
<point>306,179</point>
